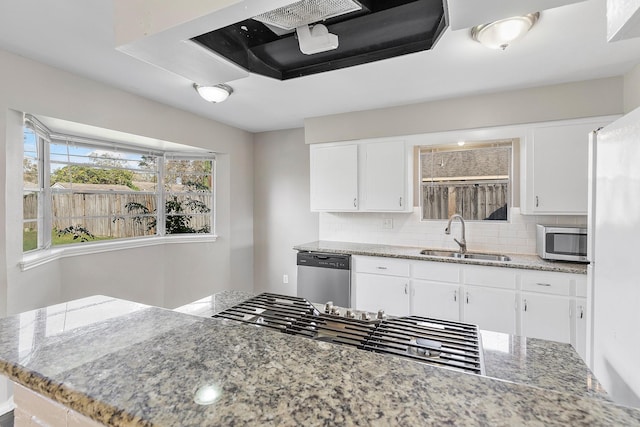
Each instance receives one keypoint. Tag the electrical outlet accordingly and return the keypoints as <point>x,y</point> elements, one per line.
<point>387,223</point>
<point>285,278</point>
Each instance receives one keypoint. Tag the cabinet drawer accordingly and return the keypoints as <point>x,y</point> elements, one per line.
<point>386,266</point>
<point>495,277</point>
<point>436,271</point>
<point>548,283</point>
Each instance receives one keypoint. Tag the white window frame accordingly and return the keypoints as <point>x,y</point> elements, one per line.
<point>45,252</point>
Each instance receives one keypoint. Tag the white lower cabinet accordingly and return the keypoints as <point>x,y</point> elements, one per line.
<point>375,292</point>
<point>433,299</point>
<point>381,283</point>
<point>536,304</point>
<point>546,316</point>
<point>490,309</point>
<point>580,341</point>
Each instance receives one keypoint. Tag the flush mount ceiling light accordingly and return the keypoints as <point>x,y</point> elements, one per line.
<point>500,34</point>
<point>215,94</point>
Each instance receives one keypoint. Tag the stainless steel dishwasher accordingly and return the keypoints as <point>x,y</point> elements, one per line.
<point>324,277</point>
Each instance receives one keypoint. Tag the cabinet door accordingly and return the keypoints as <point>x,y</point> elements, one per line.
<point>334,178</point>
<point>560,168</point>
<point>546,316</point>
<point>385,176</point>
<point>375,292</point>
<point>580,343</point>
<point>437,300</point>
<point>490,309</point>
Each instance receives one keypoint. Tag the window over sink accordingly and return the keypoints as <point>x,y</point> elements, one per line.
<point>472,179</point>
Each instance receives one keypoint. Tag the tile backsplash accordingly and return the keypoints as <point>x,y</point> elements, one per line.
<point>517,236</point>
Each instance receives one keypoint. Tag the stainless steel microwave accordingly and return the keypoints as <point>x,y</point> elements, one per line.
<point>562,243</point>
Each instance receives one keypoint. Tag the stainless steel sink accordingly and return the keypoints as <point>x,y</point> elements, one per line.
<point>483,257</point>
<point>440,253</point>
<point>466,255</point>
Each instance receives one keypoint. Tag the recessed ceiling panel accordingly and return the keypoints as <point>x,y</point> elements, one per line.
<point>376,30</point>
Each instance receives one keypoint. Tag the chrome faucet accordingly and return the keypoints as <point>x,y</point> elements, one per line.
<point>462,242</point>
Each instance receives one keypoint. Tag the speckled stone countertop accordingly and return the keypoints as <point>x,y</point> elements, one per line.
<point>127,364</point>
<point>545,364</point>
<point>529,262</point>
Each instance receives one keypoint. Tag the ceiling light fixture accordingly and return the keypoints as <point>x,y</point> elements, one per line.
<point>215,94</point>
<point>500,34</point>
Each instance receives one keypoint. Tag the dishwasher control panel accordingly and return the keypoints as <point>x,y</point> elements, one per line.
<point>317,259</point>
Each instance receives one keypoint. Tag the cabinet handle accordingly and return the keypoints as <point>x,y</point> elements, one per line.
<point>381,268</point>
<point>400,201</point>
<point>355,205</point>
<point>524,306</point>
<point>406,289</point>
<point>455,296</point>
<point>467,297</point>
<point>537,204</point>
<point>543,284</point>
<point>581,312</point>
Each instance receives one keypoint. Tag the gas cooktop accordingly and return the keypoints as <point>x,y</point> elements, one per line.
<point>438,342</point>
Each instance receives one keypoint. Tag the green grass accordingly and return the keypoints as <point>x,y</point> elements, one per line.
<point>30,240</point>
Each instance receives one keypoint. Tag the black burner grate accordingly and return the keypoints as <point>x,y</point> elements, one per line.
<point>444,343</point>
<point>438,342</point>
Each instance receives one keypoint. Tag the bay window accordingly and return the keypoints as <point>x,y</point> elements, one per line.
<point>79,190</point>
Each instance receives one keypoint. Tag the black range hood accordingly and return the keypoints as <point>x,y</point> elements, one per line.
<point>381,29</point>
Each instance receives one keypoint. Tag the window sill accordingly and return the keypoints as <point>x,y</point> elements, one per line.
<point>42,257</point>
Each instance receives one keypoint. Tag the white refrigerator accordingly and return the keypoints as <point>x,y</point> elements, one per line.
<point>614,255</point>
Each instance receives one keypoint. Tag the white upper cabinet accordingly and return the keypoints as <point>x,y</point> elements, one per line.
<point>334,177</point>
<point>362,176</point>
<point>556,168</point>
<point>384,174</point>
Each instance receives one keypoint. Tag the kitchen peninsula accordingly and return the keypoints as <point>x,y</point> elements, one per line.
<point>127,364</point>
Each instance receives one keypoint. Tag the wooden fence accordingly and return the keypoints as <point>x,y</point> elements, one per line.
<point>472,201</point>
<point>106,214</point>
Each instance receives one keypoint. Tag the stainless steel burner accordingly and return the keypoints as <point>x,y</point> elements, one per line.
<point>448,344</point>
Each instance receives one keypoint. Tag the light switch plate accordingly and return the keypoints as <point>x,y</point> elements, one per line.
<point>387,223</point>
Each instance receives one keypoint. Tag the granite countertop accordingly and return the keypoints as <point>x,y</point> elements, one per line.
<point>127,364</point>
<point>529,262</point>
<point>541,363</point>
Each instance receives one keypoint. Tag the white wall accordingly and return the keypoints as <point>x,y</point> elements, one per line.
<point>166,275</point>
<point>592,98</point>
<point>632,89</point>
<point>282,214</point>
<point>517,236</point>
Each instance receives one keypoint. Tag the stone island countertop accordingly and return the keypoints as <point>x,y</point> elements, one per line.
<point>127,364</point>
<point>541,363</point>
<point>529,262</point>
